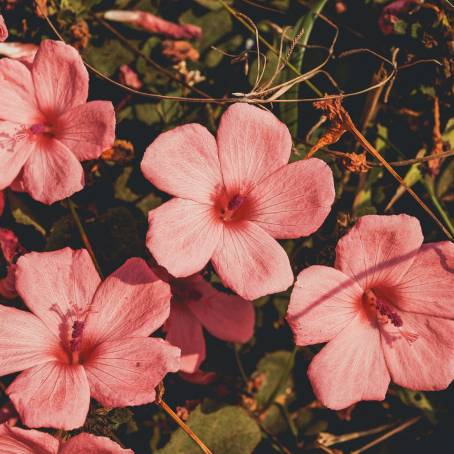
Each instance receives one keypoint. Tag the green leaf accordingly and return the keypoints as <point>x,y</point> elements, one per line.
<point>121,188</point>
<point>229,430</point>
<point>215,25</point>
<point>78,6</point>
<point>445,182</point>
<point>23,214</point>
<point>270,370</point>
<point>108,58</point>
<point>290,111</point>
<point>213,5</point>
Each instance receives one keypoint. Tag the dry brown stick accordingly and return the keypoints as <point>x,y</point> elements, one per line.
<point>387,435</point>
<point>183,426</point>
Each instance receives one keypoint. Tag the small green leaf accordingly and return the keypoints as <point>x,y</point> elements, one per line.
<point>229,430</point>
<point>108,58</point>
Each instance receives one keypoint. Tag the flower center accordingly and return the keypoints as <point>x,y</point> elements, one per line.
<point>385,313</point>
<point>184,291</point>
<point>40,128</point>
<point>76,340</point>
<point>233,205</point>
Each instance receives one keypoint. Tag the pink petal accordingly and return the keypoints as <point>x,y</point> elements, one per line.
<point>185,331</point>
<point>323,302</point>
<point>3,29</point>
<point>9,245</point>
<point>351,367</point>
<point>15,149</point>
<point>87,130</point>
<point>426,364</point>
<point>131,302</point>
<point>154,24</point>
<point>24,52</point>
<point>252,143</point>
<point>8,283</point>
<point>18,93</point>
<point>85,443</point>
<point>427,286</point>
<point>52,172</point>
<point>2,202</point>
<point>14,440</point>
<point>183,235</point>
<point>25,341</point>
<point>57,285</point>
<point>60,78</point>
<point>250,262</point>
<point>184,162</point>
<point>295,200</point>
<point>126,372</point>
<point>379,250</point>
<point>228,317</point>
<point>51,395</point>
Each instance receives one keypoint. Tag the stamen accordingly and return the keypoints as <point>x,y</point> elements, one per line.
<point>385,313</point>
<point>76,336</point>
<point>40,128</point>
<point>235,202</point>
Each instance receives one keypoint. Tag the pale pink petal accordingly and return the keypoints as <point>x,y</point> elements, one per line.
<point>425,364</point>
<point>52,172</point>
<point>18,93</point>
<point>427,286</point>
<point>14,440</point>
<point>53,394</point>
<point>3,29</point>
<point>185,331</point>
<point>184,162</point>
<point>57,285</point>
<point>250,262</point>
<point>129,77</point>
<point>131,302</point>
<point>24,52</point>
<point>323,302</point>
<point>351,367</point>
<point>228,317</point>
<point>126,372</point>
<point>154,24</point>
<point>183,235</point>
<point>85,443</point>
<point>252,144</point>
<point>24,341</point>
<point>60,78</point>
<point>87,130</point>
<point>379,250</point>
<point>295,200</point>
<point>15,149</point>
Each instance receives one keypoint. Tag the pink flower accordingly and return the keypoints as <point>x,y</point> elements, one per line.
<point>14,440</point>
<point>83,338</point>
<point>2,202</point>
<point>3,29</point>
<point>11,250</point>
<point>385,309</point>
<point>24,52</point>
<point>197,305</point>
<point>391,13</point>
<point>46,125</point>
<point>234,196</point>
<point>154,24</point>
<point>129,77</point>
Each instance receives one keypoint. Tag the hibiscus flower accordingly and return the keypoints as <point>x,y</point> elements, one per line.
<point>46,124</point>
<point>234,196</point>
<point>3,29</point>
<point>195,305</point>
<point>14,440</point>
<point>11,249</point>
<point>83,338</point>
<point>386,310</point>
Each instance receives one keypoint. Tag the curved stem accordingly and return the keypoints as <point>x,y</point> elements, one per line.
<point>183,426</point>
<point>83,233</point>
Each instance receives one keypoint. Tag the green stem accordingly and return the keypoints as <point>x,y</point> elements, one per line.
<point>83,233</point>
<point>441,211</point>
<point>269,46</point>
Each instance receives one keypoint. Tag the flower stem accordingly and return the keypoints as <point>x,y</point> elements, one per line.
<point>183,426</point>
<point>83,233</point>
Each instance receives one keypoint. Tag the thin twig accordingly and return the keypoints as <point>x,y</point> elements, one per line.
<point>387,435</point>
<point>183,426</point>
<point>83,233</point>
